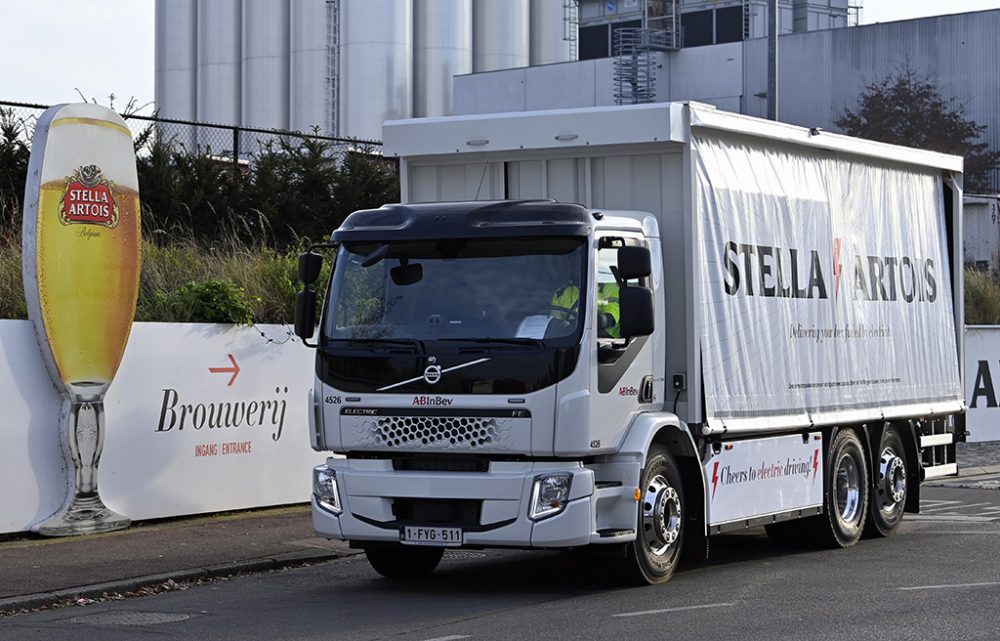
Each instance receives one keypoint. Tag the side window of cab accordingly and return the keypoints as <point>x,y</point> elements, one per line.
<point>607,294</point>
<point>608,288</point>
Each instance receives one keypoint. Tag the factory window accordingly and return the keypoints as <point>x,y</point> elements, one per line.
<point>594,42</point>
<point>729,24</point>
<point>697,27</point>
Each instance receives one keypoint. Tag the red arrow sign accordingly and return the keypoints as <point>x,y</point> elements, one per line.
<point>234,370</point>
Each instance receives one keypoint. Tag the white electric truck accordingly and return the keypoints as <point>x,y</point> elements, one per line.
<point>635,327</point>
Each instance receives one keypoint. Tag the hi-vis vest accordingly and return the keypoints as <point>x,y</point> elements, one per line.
<point>565,302</point>
<point>607,303</point>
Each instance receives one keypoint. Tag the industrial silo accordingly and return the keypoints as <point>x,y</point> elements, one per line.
<point>550,37</point>
<point>265,63</point>
<point>219,51</point>
<point>308,101</point>
<point>342,65</point>
<point>500,34</point>
<point>176,67</point>
<point>442,48</point>
<point>376,65</point>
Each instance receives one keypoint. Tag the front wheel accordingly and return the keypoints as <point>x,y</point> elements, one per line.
<point>889,485</point>
<point>654,555</point>
<point>845,493</point>
<point>399,561</point>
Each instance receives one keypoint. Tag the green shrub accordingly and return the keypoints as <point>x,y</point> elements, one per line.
<point>208,301</point>
<point>218,239</point>
<point>14,154</point>
<point>982,298</point>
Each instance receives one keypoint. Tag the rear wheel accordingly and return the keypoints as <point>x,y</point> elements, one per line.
<point>889,485</point>
<point>845,493</point>
<point>654,555</point>
<point>400,561</point>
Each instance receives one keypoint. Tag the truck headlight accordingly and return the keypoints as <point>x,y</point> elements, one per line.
<point>549,495</point>
<point>325,489</point>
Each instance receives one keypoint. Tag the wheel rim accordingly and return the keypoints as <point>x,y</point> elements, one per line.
<point>891,480</point>
<point>848,489</point>
<point>661,516</point>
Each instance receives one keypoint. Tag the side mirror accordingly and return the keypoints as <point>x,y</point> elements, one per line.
<point>305,314</point>
<point>310,265</point>
<point>636,315</point>
<point>633,262</point>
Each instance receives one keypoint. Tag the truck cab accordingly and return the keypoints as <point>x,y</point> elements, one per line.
<point>478,367</point>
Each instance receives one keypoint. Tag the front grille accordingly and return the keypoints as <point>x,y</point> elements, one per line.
<point>449,431</point>
<point>461,463</point>
<point>456,512</point>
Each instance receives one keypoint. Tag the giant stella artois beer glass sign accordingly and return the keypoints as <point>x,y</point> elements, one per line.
<point>81,280</point>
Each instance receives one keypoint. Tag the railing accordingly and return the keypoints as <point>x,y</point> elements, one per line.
<point>229,142</point>
<point>635,64</point>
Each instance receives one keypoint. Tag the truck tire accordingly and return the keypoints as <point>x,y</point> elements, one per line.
<point>397,561</point>
<point>888,499</point>
<point>845,493</point>
<point>654,555</point>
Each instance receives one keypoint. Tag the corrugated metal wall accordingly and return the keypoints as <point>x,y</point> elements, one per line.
<point>822,73</point>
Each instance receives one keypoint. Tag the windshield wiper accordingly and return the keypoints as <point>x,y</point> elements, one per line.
<point>377,342</point>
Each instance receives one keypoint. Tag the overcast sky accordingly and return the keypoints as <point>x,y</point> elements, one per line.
<point>49,49</point>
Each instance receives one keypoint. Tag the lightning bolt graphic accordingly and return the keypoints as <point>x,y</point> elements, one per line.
<point>815,463</point>
<point>715,478</point>
<point>838,268</point>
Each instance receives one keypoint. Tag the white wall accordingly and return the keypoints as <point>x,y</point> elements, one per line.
<point>982,382</point>
<point>148,471</point>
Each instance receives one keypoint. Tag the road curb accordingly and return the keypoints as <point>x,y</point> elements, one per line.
<point>16,604</point>
<point>978,470</point>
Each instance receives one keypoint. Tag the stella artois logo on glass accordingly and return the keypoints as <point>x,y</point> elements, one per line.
<point>81,275</point>
<point>89,198</point>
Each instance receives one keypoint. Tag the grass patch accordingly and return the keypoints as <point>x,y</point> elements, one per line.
<point>982,298</point>
<point>185,281</point>
<point>12,303</point>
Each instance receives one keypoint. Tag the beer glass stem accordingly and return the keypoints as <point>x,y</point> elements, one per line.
<point>85,512</point>
<point>86,440</point>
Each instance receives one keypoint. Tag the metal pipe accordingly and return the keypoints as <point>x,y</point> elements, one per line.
<point>772,60</point>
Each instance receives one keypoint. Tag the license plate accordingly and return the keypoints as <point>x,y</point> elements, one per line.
<point>423,535</point>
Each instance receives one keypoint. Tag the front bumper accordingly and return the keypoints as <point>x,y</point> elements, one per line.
<point>369,488</point>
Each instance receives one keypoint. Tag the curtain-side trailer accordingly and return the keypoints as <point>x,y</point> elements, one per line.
<point>635,327</point>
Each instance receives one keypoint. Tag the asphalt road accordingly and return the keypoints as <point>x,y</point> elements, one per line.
<point>938,578</point>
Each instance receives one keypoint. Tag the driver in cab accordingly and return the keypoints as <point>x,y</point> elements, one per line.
<point>565,306</point>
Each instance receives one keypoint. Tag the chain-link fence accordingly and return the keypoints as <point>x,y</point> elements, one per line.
<point>234,143</point>
<point>210,181</point>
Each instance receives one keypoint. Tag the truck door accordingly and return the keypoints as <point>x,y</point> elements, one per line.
<point>621,365</point>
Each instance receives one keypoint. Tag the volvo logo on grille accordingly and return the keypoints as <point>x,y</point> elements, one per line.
<point>433,372</point>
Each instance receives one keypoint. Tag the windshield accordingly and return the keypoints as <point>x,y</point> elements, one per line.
<point>518,289</point>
